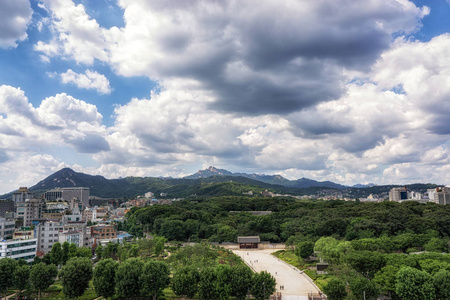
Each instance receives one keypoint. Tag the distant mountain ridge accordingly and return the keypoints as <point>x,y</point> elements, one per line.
<point>270,179</point>
<point>211,182</point>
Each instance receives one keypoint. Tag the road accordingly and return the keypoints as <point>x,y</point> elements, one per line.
<point>296,284</point>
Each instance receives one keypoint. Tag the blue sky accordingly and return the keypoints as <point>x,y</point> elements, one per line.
<point>352,92</point>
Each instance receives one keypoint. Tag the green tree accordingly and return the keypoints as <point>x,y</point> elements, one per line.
<point>110,251</point>
<point>366,262</point>
<point>99,251</point>
<point>127,278</point>
<point>104,277</point>
<point>84,252</point>
<point>335,289</point>
<point>42,276</point>
<point>7,268</point>
<point>386,278</point>
<point>413,284</point>
<point>73,251</point>
<point>75,276</point>
<point>65,252</point>
<point>241,277</point>
<point>185,281</point>
<point>362,288</point>
<point>206,284</point>
<point>304,249</point>
<point>263,285</point>
<point>154,278</point>
<point>441,281</point>
<point>21,278</point>
<point>223,282</point>
<point>56,254</point>
<point>159,245</point>
<point>436,245</point>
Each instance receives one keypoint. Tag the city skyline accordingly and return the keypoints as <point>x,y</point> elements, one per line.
<point>350,92</point>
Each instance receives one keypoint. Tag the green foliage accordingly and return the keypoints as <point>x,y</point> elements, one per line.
<point>241,278</point>
<point>304,249</point>
<point>99,251</point>
<point>7,268</point>
<point>414,284</point>
<point>65,252</point>
<point>56,254</point>
<point>73,251</point>
<point>154,278</point>
<point>199,255</point>
<point>263,285</point>
<point>335,290</point>
<point>75,276</point>
<point>206,284</point>
<point>223,282</point>
<point>42,276</point>
<point>159,245</point>
<point>366,262</point>
<point>185,281</point>
<point>386,278</point>
<point>441,282</point>
<point>21,278</point>
<point>362,289</point>
<point>127,278</point>
<point>436,245</point>
<point>104,277</point>
<point>332,250</point>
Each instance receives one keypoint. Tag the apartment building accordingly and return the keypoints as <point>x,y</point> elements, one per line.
<point>47,234</point>
<point>5,207</point>
<point>7,228</point>
<point>29,210</point>
<point>21,195</point>
<point>398,194</point>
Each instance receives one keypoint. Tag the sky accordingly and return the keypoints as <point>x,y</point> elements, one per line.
<point>347,91</point>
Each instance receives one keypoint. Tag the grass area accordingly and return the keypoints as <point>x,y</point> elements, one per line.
<point>288,256</point>
<point>55,291</point>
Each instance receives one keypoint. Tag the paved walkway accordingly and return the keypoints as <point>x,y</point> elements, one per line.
<point>296,284</point>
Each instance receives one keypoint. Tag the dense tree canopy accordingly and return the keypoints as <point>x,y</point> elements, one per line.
<point>75,276</point>
<point>104,277</point>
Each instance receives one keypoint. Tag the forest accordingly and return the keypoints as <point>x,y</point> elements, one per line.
<point>398,250</point>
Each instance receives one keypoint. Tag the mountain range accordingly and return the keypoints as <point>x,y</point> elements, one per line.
<point>208,182</point>
<point>270,179</point>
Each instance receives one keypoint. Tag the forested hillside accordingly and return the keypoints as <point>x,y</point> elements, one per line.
<point>290,219</point>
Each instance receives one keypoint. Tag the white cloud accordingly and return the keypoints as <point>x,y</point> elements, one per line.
<point>15,15</point>
<point>259,86</point>
<point>89,80</point>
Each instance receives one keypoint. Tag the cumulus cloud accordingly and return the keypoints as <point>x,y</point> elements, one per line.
<point>89,80</point>
<point>15,15</point>
<point>302,88</point>
<point>61,119</point>
<point>254,58</point>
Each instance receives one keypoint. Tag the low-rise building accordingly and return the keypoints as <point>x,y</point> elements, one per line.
<point>25,233</point>
<point>103,232</point>
<point>90,214</point>
<point>19,249</point>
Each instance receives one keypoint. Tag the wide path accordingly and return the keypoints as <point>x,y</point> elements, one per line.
<point>295,283</point>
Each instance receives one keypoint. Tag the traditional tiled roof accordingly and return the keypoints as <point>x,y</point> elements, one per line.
<point>248,239</point>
